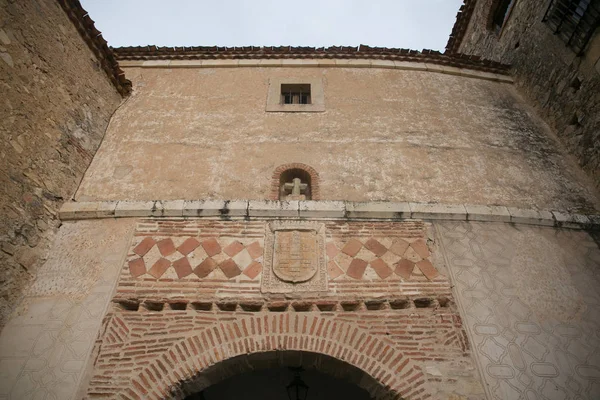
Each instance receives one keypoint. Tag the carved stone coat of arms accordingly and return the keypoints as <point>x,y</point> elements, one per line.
<point>294,257</point>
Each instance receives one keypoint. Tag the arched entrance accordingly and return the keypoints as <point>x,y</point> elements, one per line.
<point>267,376</point>
<point>248,343</point>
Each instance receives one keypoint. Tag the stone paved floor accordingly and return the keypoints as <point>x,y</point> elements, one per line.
<point>530,298</point>
<point>45,349</point>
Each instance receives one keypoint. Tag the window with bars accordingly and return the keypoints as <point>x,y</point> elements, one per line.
<point>295,94</point>
<point>574,21</point>
<point>500,14</point>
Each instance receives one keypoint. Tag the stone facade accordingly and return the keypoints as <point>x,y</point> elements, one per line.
<point>564,87</point>
<point>56,104</point>
<point>214,235</point>
<point>408,133</point>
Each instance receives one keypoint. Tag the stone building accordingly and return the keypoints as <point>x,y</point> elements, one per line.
<point>209,222</point>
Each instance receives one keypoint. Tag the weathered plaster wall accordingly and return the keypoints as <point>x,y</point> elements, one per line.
<point>55,105</point>
<point>386,134</point>
<point>529,297</point>
<point>546,72</point>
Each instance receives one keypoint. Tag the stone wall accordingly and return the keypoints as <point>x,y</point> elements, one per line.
<point>385,134</point>
<point>55,107</point>
<point>564,88</point>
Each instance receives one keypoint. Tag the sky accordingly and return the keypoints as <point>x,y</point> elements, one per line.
<point>415,24</point>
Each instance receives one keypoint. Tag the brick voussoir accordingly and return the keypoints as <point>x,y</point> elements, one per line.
<point>324,209</point>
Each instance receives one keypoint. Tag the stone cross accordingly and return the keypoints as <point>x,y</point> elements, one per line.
<point>297,188</point>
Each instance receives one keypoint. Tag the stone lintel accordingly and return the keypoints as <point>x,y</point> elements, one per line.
<point>438,211</point>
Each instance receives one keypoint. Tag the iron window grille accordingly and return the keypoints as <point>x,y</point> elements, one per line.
<point>295,94</point>
<point>573,21</point>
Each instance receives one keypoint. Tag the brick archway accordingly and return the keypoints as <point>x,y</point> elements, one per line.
<point>312,173</point>
<point>245,343</point>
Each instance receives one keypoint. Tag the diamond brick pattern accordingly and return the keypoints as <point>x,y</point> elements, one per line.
<point>385,258</point>
<point>137,267</point>
<point>253,270</point>
<point>144,246</point>
<point>205,267</point>
<point>357,268</point>
<point>233,248</point>
<point>193,258</point>
<point>355,258</point>
<point>188,246</point>
<point>159,267</point>
<point>352,247</point>
<point>166,247</point>
<point>211,247</point>
<point>182,267</point>
<point>381,268</point>
<point>230,268</point>
<point>375,247</point>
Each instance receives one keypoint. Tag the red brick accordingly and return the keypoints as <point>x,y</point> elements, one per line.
<point>182,267</point>
<point>352,247</point>
<point>211,246</point>
<point>255,250</point>
<point>428,269</point>
<point>381,268</point>
<point>399,247</point>
<point>253,270</point>
<point>357,268</point>
<point>420,247</point>
<point>144,246</point>
<point>159,267</point>
<point>188,246</point>
<point>375,247</point>
<point>233,248</point>
<point>137,267</point>
<point>332,250</point>
<point>230,268</point>
<point>334,270</point>
<point>404,268</point>
<point>166,247</point>
<point>205,267</point>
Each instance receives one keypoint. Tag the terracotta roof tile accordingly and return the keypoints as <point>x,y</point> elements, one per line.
<point>278,52</point>
<point>93,37</point>
<point>463,17</point>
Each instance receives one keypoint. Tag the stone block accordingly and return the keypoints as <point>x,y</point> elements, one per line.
<point>273,208</point>
<point>203,208</point>
<point>106,209</point>
<point>354,63</point>
<point>78,210</point>
<point>156,63</point>
<point>219,63</point>
<point>173,208</point>
<point>185,64</point>
<point>487,213</point>
<point>446,69</point>
<point>249,63</point>
<point>434,67</point>
<point>546,218</point>
<point>479,74</point>
<point>291,63</point>
<point>235,208</point>
<point>131,63</point>
<point>409,65</point>
<point>571,221</point>
<point>388,210</point>
<point>327,62</point>
<point>322,209</point>
<point>127,208</point>
<point>527,216</point>
<point>270,63</point>
<point>383,64</point>
<point>438,211</point>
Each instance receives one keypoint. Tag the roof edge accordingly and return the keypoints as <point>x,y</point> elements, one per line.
<point>93,38</point>
<point>463,18</point>
<point>290,52</point>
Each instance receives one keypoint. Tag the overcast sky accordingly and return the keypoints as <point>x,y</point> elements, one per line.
<point>415,24</point>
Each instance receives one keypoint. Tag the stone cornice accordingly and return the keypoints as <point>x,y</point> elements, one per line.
<point>362,52</point>
<point>335,210</point>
